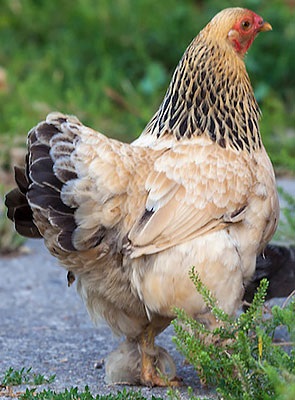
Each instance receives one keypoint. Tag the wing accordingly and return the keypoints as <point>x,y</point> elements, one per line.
<point>192,190</point>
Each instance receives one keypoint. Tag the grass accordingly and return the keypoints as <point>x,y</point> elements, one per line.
<point>24,376</point>
<point>75,394</point>
<point>109,62</point>
<point>14,377</point>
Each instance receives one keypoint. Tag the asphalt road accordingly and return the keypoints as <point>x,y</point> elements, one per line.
<point>44,325</point>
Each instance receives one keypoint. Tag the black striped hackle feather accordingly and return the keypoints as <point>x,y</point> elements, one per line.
<point>210,94</point>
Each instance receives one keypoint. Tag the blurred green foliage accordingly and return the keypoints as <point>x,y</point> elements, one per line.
<point>110,61</point>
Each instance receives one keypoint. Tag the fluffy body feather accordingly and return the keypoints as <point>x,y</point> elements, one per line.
<point>130,220</point>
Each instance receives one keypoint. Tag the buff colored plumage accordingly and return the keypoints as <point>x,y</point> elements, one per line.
<point>129,221</point>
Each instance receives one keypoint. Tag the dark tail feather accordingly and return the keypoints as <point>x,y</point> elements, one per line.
<point>18,209</point>
<point>277,264</point>
<point>40,183</point>
<point>46,182</point>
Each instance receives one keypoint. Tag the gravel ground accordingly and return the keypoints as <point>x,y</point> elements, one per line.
<point>44,325</point>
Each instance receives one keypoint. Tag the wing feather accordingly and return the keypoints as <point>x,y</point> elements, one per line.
<point>192,191</point>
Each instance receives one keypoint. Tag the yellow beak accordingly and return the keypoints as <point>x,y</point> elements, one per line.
<point>265,27</point>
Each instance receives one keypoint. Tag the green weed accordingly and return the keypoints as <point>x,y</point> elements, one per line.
<point>14,377</point>
<point>75,394</point>
<point>239,358</point>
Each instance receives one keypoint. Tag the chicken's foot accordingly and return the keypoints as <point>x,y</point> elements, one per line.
<point>150,374</point>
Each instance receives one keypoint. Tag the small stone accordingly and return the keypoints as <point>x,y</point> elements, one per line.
<point>99,364</point>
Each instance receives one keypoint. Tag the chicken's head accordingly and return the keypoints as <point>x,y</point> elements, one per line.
<point>237,27</point>
<point>245,30</point>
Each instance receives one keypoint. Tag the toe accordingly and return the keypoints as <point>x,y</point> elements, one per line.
<point>155,380</point>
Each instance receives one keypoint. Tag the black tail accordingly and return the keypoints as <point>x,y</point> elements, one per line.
<point>35,206</point>
<point>18,209</point>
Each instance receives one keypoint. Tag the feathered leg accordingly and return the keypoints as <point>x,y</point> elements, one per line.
<point>150,375</point>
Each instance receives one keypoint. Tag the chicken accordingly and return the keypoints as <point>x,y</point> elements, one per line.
<point>130,220</point>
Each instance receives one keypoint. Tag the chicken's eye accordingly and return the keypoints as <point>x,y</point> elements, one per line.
<point>246,25</point>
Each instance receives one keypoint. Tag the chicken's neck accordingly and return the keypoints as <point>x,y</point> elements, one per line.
<point>209,94</point>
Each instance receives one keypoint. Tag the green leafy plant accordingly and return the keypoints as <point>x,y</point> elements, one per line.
<point>76,394</point>
<point>239,357</point>
<point>24,376</point>
<point>14,377</point>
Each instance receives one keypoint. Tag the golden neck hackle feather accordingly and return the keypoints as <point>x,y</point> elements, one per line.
<point>210,94</point>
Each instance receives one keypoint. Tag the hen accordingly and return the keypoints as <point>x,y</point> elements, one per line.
<point>130,220</point>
